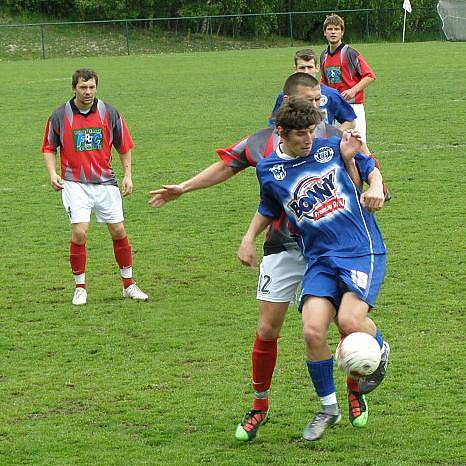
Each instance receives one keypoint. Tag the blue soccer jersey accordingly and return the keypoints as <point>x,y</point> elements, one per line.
<point>332,104</point>
<point>320,200</point>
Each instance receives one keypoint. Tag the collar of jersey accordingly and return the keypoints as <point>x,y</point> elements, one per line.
<point>282,154</point>
<point>76,109</point>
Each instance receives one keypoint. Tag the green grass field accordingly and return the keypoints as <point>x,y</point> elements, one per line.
<point>166,382</point>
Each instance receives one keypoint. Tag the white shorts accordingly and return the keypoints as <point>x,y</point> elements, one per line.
<point>280,276</point>
<point>79,199</point>
<point>360,120</point>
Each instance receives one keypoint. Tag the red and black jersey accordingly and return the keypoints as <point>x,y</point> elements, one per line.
<point>85,141</point>
<point>343,69</point>
<point>246,153</point>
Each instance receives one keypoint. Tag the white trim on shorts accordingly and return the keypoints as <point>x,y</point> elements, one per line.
<point>80,199</point>
<point>280,276</point>
<point>361,125</point>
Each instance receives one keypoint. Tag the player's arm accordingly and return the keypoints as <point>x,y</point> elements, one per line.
<point>50,161</point>
<point>247,251</point>
<point>373,198</point>
<point>349,94</point>
<point>347,125</point>
<point>350,145</point>
<point>127,182</point>
<point>216,173</point>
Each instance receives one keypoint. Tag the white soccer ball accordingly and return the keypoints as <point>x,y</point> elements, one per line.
<point>358,355</point>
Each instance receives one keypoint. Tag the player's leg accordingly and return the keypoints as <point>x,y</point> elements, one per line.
<point>108,209</point>
<point>78,206</point>
<point>280,274</point>
<point>317,314</point>
<point>124,259</point>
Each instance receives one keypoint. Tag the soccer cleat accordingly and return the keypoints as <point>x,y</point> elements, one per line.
<point>134,292</point>
<point>358,411</point>
<point>372,381</point>
<point>247,430</point>
<point>316,428</point>
<point>80,296</point>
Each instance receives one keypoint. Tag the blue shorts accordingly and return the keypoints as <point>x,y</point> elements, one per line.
<point>331,277</point>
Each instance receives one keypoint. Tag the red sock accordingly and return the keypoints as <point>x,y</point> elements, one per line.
<point>264,357</point>
<point>122,251</point>
<point>352,384</point>
<point>78,256</point>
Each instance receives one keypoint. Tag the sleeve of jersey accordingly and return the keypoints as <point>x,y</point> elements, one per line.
<point>323,77</point>
<point>365,165</point>
<point>343,110</point>
<point>122,139</point>
<point>51,139</point>
<point>268,206</point>
<point>235,156</point>
<point>364,69</point>
<point>278,102</point>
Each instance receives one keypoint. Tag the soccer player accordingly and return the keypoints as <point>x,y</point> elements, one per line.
<point>282,267</point>
<point>308,179</point>
<point>344,69</point>
<point>85,129</point>
<point>332,104</point>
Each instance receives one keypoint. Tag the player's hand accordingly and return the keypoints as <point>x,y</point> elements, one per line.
<point>56,182</point>
<point>350,145</point>
<point>373,198</point>
<point>247,254</point>
<point>126,186</point>
<point>167,193</point>
<point>349,94</point>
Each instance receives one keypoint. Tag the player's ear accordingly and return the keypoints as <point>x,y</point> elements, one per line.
<point>285,98</point>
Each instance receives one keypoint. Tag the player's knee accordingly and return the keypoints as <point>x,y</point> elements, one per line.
<point>79,237</point>
<point>268,330</point>
<point>350,324</point>
<point>314,336</point>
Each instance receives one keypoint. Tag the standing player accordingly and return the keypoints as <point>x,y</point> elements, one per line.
<point>282,267</point>
<point>85,128</point>
<point>332,104</point>
<point>344,69</point>
<point>308,179</point>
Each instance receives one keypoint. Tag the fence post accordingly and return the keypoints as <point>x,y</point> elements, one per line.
<point>209,29</point>
<point>127,36</point>
<point>367,25</point>
<point>42,40</point>
<point>290,25</point>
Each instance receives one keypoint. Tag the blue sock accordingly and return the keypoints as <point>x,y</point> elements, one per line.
<point>321,373</point>
<point>378,337</point>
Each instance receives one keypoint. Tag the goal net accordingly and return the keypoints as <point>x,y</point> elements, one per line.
<point>453,16</point>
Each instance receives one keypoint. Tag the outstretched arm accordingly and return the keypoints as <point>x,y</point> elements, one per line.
<point>247,251</point>
<point>214,174</point>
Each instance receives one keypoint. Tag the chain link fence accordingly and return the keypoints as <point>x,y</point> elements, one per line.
<point>204,33</point>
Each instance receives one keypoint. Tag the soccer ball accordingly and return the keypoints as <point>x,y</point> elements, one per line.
<point>358,355</point>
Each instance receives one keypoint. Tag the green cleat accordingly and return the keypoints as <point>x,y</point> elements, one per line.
<point>247,430</point>
<point>358,410</point>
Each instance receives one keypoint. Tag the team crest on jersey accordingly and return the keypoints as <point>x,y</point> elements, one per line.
<point>333,74</point>
<point>87,139</point>
<point>324,154</point>
<point>278,172</point>
<point>323,100</point>
<point>316,197</point>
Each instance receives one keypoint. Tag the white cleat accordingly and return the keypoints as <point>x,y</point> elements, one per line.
<point>80,296</point>
<point>134,292</point>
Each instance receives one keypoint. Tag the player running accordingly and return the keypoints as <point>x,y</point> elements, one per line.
<point>308,179</point>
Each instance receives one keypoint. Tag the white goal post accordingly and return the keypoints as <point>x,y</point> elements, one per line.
<point>453,16</point>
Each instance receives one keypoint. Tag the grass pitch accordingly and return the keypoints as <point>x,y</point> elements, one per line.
<point>166,382</point>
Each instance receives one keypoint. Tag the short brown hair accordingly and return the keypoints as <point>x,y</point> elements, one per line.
<point>306,55</point>
<point>296,113</point>
<point>298,79</point>
<point>84,74</point>
<point>334,20</point>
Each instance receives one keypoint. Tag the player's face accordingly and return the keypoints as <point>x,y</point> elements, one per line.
<point>333,34</point>
<point>311,94</point>
<point>298,142</point>
<point>85,92</point>
<point>306,66</point>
